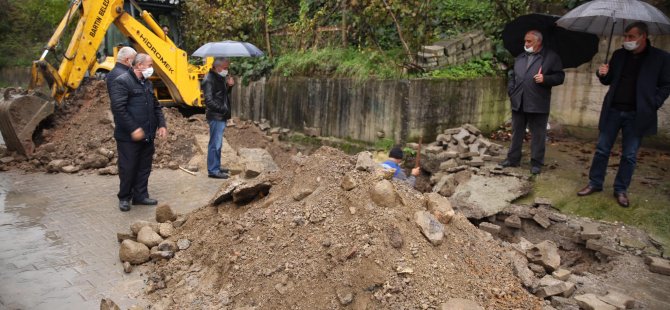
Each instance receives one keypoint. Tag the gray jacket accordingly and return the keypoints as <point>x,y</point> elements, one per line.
<point>522,88</point>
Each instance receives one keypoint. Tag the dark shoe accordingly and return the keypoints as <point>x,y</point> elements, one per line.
<point>588,190</point>
<point>219,175</point>
<point>224,170</point>
<point>535,170</point>
<point>622,199</point>
<point>124,205</point>
<point>146,201</point>
<point>506,163</point>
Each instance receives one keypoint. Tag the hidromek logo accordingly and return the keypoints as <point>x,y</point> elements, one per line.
<point>98,20</point>
<point>159,57</point>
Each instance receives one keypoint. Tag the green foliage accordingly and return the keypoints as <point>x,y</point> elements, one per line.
<point>473,69</point>
<point>408,151</point>
<point>384,144</point>
<point>337,62</point>
<point>251,69</point>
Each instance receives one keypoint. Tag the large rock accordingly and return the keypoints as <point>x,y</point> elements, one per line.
<point>57,164</point>
<point>592,302</point>
<point>384,194</point>
<point>148,237</point>
<point>619,300</point>
<point>545,254</point>
<point>364,162</point>
<point>137,225</point>
<point>430,227</point>
<point>225,193</point>
<point>95,161</point>
<point>257,155</point>
<point>460,304</point>
<point>446,186</point>
<point>134,252</point>
<point>564,289</point>
<point>348,182</point>
<point>249,191</point>
<point>167,245</point>
<point>108,304</point>
<point>482,196</point>
<point>440,207</point>
<point>164,213</point>
<point>166,229</point>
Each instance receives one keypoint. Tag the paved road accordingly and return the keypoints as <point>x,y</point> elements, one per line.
<point>58,247</point>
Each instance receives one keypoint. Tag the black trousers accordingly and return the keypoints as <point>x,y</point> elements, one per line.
<point>134,168</point>
<point>537,124</point>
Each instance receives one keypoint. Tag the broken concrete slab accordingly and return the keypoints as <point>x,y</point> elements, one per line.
<point>590,231</point>
<point>440,207</point>
<point>562,274</point>
<point>658,265</point>
<point>225,193</point>
<point>592,302</point>
<point>249,191</point>
<point>489,227</point>
<point>564,289</point>
<point>261,157</point>
<point>545,254</point>
<point>430,227</point>
<point>364,162</point>
<point>541,219</point>
<point>513,221</point>
<point>542,201</point>
<point>618,300</point>
<point>521,270</point>
<point>482,196</point>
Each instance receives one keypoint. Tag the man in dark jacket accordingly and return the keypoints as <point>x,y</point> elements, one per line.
<point>124,60</point>
<point>138,120</point>
<point>216,87</point>
<point>535,72</point>
<point>639,80</point>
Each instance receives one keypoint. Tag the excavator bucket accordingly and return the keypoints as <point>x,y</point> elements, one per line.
<point>21,111</point>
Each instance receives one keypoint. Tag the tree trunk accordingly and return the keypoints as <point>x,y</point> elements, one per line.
<point>344,23</point>
<point>268,46</point>
<point>397,25</point>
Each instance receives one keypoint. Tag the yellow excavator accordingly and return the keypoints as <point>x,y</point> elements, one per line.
<point>21,112</point>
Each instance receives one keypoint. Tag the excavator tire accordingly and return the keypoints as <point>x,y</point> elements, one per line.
<point>21,111</point>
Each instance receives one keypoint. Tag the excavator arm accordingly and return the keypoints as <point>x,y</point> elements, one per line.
<point>20,113</point>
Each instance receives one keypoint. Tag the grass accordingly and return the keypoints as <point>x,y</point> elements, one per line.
<point>338,62</point>
<point>649,191</point>
<point>472,69</point>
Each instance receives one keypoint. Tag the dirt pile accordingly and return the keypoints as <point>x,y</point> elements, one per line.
<point>79,136</point>
<point>321,239</point>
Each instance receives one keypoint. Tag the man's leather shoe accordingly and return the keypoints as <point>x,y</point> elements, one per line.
<point>219,175</point>
<point>588,190</point>
<point>146,201</point>
<point>535,170</point>
<point>224,170</point>
<point>622,199</point>
<point>506,163</point>
<point>124,205</point>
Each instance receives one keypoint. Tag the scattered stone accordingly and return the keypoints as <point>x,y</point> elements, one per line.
<point>563,303</point>
<point>148,237</point>
<point>658,265</point>
<point>490,227</point>
<point>70,169</point>
<point>545,253</point>
<point>476,162</point>
<point>109,170</point>
<point>173,165</point>
<point>54,166</point>
<point>513,221</point>
<point>166,229</point>
<point>384,194</point>
<point>592,302</point>
<point>249,191</point>
<point>164,213</point>
<point>440,207</point>
<point>108,304</point>
<point>348,182</point>
<point>395,237</point>
<point>345,296</point>
<point>365,162</point>
<point>133,252</point>
<point>598,245</point>
<point>430,227</point>
<point>127,267</point>
<point>225,193</point>
<point>253,169</point>
<point>541,219</point>
<point>460,304</point>
<point>158,255</point>
<point>542,201</point>
<point>136,226</point>
<point>302,193</point>
<point>562,274</point>
<point>95,161</point>
<point>167,245</point>
<point>590,231</point>
<point>631,243</point>
<point>6,160</point>
<point>520,264</point>
<point>618,300</point>
<point>183,244</point>
<point>564,289</point>
<point>124,236</point>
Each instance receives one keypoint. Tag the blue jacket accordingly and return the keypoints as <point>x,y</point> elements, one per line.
<point>133,106</point>
<point>653,87</point>
<point>399,174</point>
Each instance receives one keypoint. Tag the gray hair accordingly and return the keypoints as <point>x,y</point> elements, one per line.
<point>124,53</point>
<point>537,34</point>
<point>218,61</point>
<point>140,58</point>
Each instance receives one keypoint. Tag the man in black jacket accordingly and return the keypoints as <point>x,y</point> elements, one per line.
<point>216,87</point>
<point>124,60</point>
<point>535,72</point>
<point>639,79</point>
<point>138,120</point>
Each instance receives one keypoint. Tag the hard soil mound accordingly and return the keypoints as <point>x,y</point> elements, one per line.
<point>330,249</point>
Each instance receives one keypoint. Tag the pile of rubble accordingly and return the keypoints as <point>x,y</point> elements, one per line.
<point>335,231</point>
<point>80,137</point>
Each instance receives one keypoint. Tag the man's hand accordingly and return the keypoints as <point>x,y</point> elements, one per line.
<point>162,132</point>
<point>231,81</point>
<point>539,78</point>
<point>604,69</point>
<point>416,171</point>
<point>137,135</point>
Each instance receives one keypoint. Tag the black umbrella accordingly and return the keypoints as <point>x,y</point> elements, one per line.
<point>574,48</point>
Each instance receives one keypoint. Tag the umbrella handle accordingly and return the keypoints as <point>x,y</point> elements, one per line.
<point>609,44</point>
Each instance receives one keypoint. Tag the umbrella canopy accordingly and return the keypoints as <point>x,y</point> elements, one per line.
<point>574,48</point>
<point>607,17</point>
<point>228,49</point>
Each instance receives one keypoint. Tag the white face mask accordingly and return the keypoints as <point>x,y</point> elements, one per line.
<point>223,73</point>
<point>146,73</point>
<point>631,45</point>
<point>527,49</point>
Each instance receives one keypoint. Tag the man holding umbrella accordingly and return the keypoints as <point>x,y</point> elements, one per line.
<point>639,80</point>
<point>535,72</point>
<point>216,87</point>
